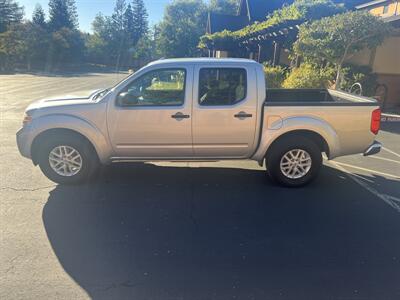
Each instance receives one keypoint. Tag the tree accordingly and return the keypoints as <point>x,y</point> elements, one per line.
<point>337,38</point>
<point>10,13</point>
<point>129,26</point>
<point>66,41</point>
<point>140,22</point>
<point>118,35</point>
<point>178,33</point>
<point>38,16</point>
<point>118,15</point>
<point>66,47</point>
<point>62,14</point>
<point>229,7</point>
<point>12,46</point>
<point>37,40</point>
<point>143,51</point>
<point>122,38</point>
<point>98,42</point>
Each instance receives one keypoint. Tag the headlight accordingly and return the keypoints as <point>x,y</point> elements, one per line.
<point>27,119</point>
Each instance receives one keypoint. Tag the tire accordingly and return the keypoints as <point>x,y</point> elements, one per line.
<point>289,173</point>
<point>88,160</point>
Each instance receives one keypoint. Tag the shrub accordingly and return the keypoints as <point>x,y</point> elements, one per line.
<point>336,38</point>
<point>274,76</point>
<point>361,74</point>
<point>309,76</point>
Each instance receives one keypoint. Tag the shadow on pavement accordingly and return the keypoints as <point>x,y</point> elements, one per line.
<point>391,126</point>
<point>149,232</point>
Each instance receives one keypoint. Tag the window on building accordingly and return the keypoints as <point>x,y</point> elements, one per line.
<point>163,87</point>
<point>222,86</point>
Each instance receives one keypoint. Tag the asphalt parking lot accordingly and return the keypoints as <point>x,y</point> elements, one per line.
<point>194,230</point>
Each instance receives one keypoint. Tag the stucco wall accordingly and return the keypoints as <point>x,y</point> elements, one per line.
<point>392,6</point>
<point>387,57</point>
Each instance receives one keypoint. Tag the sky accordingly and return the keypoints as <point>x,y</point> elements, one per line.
<point>87,9</point>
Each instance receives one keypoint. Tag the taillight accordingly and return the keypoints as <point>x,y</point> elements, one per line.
<point>375,121</point>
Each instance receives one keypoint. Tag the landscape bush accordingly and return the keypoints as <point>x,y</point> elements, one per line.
<point>359,74</point>
<point>274,76</point>
<point>309,76</point>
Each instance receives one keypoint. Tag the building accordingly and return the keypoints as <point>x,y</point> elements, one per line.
<point>263,45</point>
<point>249,12</point>
<point>385,59</point>
<point>268,44</point>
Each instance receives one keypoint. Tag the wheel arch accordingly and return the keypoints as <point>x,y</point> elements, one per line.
<point>73,125</point>
<point>311,127</point>
<point>317,138</point>
<point>56,132</point>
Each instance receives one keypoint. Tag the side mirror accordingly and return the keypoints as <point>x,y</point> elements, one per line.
<point>126,98</point>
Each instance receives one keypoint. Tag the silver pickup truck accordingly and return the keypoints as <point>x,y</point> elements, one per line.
<point>198,109</point>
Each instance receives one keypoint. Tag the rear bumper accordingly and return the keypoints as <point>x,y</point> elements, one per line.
<point>374,148</point>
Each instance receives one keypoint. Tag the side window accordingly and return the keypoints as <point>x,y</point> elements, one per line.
<point>222,86</point>
<point>163,87</point>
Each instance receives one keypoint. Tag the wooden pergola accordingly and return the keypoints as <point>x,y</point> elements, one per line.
<point>272,38</point>
<point>265,43</point>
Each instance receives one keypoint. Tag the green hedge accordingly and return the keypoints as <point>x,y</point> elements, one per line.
<point>275,76</point>
<point>309,76</point>
<point>314,76</point>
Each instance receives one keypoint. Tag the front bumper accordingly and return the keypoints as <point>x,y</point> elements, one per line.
<point>374,148</point>
<point>23,142</point>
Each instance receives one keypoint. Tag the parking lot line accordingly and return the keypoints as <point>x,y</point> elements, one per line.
<point>391,151</point>
<point>390,115</point>
<point>367,170</point>
<point>394,202</point>
<point>383,158</point>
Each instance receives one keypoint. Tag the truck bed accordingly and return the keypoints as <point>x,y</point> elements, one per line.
<point>345,118</point>
<point>314,97</point>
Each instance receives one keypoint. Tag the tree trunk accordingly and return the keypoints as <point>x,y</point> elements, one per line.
<point>338,77</point>
<point>339,68</point>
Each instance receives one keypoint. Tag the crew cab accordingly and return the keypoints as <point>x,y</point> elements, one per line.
<point>198,109</point>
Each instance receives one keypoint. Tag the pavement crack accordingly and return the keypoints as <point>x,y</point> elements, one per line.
<point>126,284</point>
<point>27,190</point>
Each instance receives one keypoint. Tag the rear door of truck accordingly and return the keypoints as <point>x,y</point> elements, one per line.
<point>224,110</point>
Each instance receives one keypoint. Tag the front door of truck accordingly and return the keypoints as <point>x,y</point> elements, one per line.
<point>224,111</point>
<point>151,116</point>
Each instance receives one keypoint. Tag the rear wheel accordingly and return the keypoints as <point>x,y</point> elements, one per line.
<point>67,160</point>
<point>294,161</point>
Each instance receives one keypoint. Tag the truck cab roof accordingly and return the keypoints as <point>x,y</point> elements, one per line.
<point>204,60</point>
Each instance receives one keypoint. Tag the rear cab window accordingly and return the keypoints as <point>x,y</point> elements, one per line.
<point>222,86</point>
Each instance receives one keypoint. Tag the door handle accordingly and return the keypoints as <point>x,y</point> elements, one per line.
<point>242,115</point>
<point>179,116</point>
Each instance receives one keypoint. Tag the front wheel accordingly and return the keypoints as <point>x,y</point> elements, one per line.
<point>294,162</point>
<point>67,160</point>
